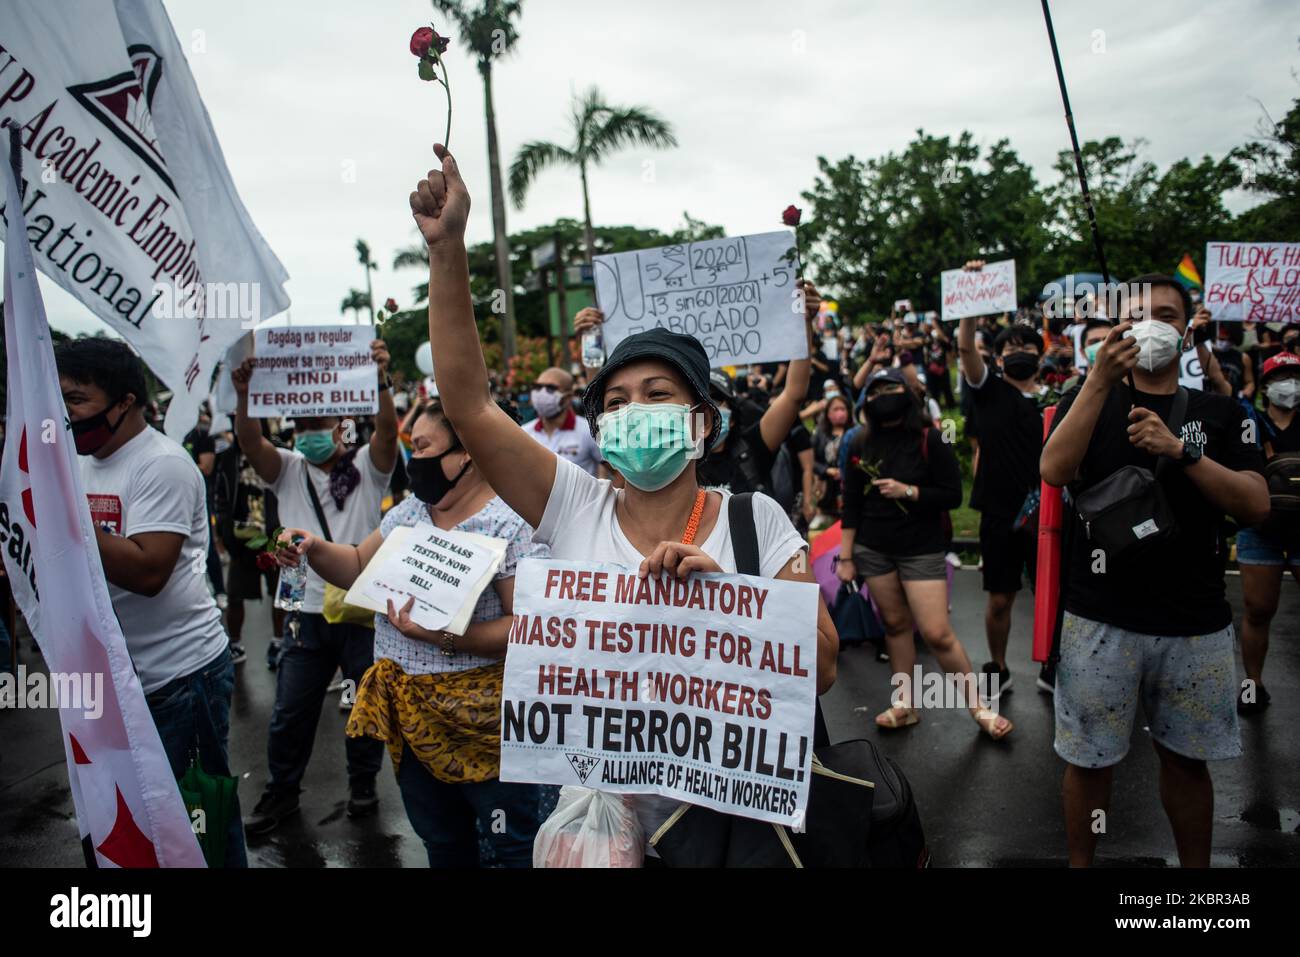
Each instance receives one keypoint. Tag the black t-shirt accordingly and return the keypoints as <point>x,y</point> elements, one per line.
<point>936,354</point>
<point>196,443</point>
<point>1174,586</point>
<point>915,528</point>
<point>1011,441</point>
<point>1233,366</point>
<point>1281,440</point>
<point>744,464</point>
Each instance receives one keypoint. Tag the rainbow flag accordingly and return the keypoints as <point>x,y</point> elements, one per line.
<point>1186,273</point>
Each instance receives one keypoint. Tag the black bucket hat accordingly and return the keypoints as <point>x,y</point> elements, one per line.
<point>682,352</point>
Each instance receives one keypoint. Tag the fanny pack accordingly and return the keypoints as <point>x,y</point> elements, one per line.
<point>1127,511</point>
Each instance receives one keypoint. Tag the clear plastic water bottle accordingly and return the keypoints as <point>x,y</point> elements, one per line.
<point>293,586</point>
<point>593,348</point>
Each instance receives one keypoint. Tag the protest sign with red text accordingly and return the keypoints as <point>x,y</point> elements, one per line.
<point>979,292</point>
<point>1253,282</point>
<point>701,690</point>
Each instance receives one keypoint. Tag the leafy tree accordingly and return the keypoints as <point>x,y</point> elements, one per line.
<point>1271,165</point>
<point>354,301</point>
<point>885,228</point>
<point>598,130</point>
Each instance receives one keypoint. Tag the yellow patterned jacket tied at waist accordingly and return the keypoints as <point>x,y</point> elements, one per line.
<point>451,721</point>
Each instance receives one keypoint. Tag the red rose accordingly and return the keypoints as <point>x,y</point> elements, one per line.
<point>421,40</point>
<point>266,561</point>
<point>792,215</point>
<point>391,305</point>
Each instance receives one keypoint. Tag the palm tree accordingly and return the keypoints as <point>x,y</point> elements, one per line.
<point>598,130</point>
<point>488,32</point>
<point>363,256</point>
<point>356,300</point>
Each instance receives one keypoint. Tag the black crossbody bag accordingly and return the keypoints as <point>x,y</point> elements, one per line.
<point>1127,511</point>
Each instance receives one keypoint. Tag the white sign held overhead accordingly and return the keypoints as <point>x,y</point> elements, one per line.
<point>1253,282</point>
<point>700,689</point>
<point>313,371</point>
<point>737,296</point>
<point>979,292</point>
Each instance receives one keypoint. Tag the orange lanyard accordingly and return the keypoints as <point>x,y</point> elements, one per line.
<point>693,523</point>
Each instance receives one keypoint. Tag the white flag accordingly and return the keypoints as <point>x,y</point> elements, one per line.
<point>130,206</point>
<point>128,803</point>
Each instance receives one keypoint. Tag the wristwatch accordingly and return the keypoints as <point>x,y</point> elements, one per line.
<point>1192,452</point>
<point>387,383</point>
<point>911,491</point>
<point>448,644</point>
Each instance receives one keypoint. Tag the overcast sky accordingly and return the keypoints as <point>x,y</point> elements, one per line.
<point>327,128</point>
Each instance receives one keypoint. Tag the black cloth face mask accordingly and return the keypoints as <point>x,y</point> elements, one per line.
<point>888,407</point>
<point>94,432</point>
<point>1020,365</point>
<point>429,483</point>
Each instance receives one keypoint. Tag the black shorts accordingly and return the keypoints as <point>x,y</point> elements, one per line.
<point>244,579</point>
<point>1008,554</point>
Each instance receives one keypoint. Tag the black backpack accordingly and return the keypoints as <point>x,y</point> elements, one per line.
<point>861,812</point>
<point>1282,473</point>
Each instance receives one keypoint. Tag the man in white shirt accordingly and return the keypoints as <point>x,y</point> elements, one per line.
<point>320,479</point>
<point>149,505</point>
<point>556,425</point>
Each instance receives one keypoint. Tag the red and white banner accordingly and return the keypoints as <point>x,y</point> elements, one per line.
<point>129,205</point>
<point>127,801</point>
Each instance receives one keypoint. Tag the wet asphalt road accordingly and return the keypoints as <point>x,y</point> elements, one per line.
<point>983,803</point>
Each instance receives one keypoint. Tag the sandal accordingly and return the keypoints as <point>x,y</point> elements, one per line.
<point>889,718</point>
<point>988,719</point>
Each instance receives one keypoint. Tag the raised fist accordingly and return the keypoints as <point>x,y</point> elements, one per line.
<point>440,203</point>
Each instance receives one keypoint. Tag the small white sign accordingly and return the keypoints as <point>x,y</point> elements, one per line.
<point>313,371</point>
<point>445,570</point>
<point>979,292</point>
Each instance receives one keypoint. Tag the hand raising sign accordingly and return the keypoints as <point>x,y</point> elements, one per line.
<point>440,203</point>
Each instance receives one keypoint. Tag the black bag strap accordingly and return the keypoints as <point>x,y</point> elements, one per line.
<point>1175,423</point>
<point>315,504</point>
<point>744,533</point>
<point>744,542</point>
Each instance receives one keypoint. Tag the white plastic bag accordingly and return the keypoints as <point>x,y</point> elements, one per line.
<point>590,828</point>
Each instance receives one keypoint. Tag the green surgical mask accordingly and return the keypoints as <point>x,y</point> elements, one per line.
<point>1091,353</point>
<point>316,447</point>
<point>649,443</point>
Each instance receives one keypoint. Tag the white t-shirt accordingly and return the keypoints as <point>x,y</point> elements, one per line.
<point>152,485</point>
<point>573,443</point>
<point>580,524</point>
<point>359,517</point>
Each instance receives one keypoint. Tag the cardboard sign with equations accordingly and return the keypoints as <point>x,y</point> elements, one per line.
<point>445,570</point>
<point>737,296</point>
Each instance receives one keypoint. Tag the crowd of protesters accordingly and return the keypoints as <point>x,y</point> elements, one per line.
<point>872,430</point>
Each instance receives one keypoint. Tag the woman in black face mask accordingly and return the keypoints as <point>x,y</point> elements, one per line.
<point>433,697</point>
<point>901,477</point>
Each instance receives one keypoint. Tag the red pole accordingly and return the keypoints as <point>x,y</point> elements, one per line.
<point>1047,594</point>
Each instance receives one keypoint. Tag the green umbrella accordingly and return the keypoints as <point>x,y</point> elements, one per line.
<point>210,801</point>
